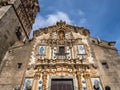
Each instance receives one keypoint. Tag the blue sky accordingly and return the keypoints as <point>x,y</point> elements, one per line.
<point>101,17</point>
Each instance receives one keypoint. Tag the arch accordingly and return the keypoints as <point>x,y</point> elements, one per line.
<point>107,88</point>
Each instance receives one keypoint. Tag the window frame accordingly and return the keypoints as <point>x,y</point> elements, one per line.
<point>61,50</point>
<point>105,65</point>
<point>19,65</point>
<point>39,52</point>
<point>83,48</point>
<point>25,83</point>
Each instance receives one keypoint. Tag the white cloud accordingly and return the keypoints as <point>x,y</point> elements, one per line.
<point>81,13</point>
<point>117,42</point>
<point>117,45</point>
<point>83,20</point>
<point>43,21</point>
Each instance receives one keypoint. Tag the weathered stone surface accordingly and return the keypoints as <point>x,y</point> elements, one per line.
<point>10,74</point>
<point>16,19</point>
<point>98,59</point>
<point>8,25</point>
<point>104,53</point>
<point>6,87</point>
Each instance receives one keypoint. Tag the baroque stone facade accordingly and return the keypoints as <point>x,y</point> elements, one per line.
<point>16,19</point>
<point>61,57</point>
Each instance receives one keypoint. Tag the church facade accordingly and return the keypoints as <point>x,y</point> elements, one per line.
<point>65,57</point>
<point>59,57</point>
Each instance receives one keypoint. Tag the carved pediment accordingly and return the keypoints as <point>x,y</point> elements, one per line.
<point>60,29</point>
<point>61,24</point>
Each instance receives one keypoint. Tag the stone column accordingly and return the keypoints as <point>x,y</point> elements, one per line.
<point>74,50</point>
<point>49,49</point>
<point>52,52</point>
<point>79,80</point>
<point>44,78</point>
<point>36,79</point>
<point>71,52</point>
<point>35,84</point>
<point>88,81</point>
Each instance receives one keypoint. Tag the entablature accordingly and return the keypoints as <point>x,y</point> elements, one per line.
<point>62,61</point>
<point>61,42</point>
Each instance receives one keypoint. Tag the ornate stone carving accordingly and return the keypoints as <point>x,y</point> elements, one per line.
<point>62,67</point>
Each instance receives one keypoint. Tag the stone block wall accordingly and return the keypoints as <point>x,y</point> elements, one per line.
<point>16,17</point>
<point>11,74</point>
<point>108,63</point>
<point>9,23</point>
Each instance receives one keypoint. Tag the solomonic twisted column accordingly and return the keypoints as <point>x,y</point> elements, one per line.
<point>79,80</point>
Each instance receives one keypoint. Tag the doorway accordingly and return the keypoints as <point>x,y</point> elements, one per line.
<point>62,84</point>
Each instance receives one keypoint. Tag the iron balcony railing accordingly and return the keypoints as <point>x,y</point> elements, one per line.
<point>61,55</point>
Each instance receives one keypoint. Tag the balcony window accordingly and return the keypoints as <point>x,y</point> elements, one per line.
<point>61,49</point>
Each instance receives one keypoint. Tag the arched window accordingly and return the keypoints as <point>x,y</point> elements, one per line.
<point>107,88</point>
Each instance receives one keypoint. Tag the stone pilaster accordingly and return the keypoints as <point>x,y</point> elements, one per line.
<point>71,52</point>
<point>52,52</point>
<point>88,81</point>
<point>36,80</point>
<point>35,84</point>
<point>79,80</point>
<point>44,78</point>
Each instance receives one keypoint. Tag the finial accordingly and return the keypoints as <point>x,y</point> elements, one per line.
<point>61,24</point>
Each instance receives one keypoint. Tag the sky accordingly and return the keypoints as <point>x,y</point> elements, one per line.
<point>100,17</point>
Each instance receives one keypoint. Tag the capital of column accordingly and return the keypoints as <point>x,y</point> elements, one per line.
<point>86,75</point>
